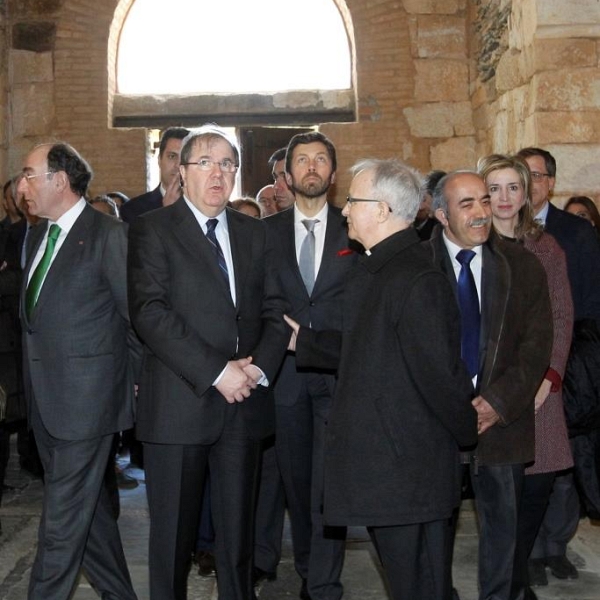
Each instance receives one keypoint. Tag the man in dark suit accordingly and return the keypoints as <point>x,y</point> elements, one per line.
<point>205,301</point>
<point>402,405</point>
<point>303,398</point>
<point>582,251</point>
<point>79,363</point>
<point>169,188</point>
<point>507,363</point>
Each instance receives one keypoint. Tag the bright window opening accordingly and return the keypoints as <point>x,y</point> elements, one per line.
<point>236,46</point>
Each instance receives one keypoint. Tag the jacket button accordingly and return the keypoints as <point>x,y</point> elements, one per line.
<point>238,318</point>
<point>311,303</point>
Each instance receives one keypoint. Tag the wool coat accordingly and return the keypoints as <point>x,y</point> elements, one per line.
<point>402,405</point>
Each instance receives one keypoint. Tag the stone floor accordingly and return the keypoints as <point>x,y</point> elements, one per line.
<point>362,577</point>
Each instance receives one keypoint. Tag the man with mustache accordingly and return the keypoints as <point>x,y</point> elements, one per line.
<point>506,334</point>
<point>313,260</point>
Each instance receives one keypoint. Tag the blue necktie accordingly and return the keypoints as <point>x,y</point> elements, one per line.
<point>468,302</point>
<point>212,238</point>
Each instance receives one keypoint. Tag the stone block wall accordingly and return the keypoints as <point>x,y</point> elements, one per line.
<point>438,83</point>
<point>545,89</point>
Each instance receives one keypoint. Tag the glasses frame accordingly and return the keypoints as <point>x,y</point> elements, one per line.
<point>212,163</point>
<point>28,176</point>
<point>350,200</point>
<point>537,176</point>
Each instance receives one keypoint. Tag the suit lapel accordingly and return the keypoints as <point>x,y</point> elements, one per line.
<point>190,234</point>
<point>239,239</point>
<point>495,283</point>
<point>335,239</point>
<point>67,256</point>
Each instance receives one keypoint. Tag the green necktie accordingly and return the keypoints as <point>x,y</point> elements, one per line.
<point>35,283</point>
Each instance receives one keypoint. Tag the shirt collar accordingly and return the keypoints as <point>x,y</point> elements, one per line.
<point>67,220</point>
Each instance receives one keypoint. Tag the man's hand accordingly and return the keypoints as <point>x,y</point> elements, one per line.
<point>486,415</point>
<point>542,394</point>
<point>295,329</point>
<point>172,192</point>
<point>254,373</point>
<point>235,385</point>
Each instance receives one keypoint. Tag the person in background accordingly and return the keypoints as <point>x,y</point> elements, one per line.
<point>425,221</point>
<point>580,244</point>
<point>582,206</point>
<point>105,204</point>
<point>284,194</point>
<point>266,200</point>
<point>508,182</point>
<point>246,205</point>
<point>169,188</point>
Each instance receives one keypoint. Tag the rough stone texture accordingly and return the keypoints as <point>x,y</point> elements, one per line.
<point>565,54</point>
<point>30,67</point>
<point>437,36</point>
<point>568,90</point>
<point>454,153</point>
<point>441,80</point>
<point>577,168</point>
<point>438,120</point>
<point>418,66</point>
<point>427,7</point>
<point>32,109</point>
<point>568,127</point>
<point>34,36</point>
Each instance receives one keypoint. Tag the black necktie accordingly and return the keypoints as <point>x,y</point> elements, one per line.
<point>212,238</point>
<point>468,302</point>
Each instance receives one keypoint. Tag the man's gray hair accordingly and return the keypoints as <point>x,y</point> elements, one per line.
<point>395,183</point>
<point>439,193</point>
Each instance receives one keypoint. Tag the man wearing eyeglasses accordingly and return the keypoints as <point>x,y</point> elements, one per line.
<point>313,261</point>
<point>402,403</point>
<point>169,189</point>
<point>204,301</point>
<point>80,360</point>
<point>582,252</point>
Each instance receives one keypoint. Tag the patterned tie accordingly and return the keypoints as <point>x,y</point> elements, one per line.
<point>37,279</point>
<point>306,260</point>
<point>211,224</point>
<point>468,302</point>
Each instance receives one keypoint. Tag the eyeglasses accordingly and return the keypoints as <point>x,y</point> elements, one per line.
<point>205,164</point>
<point>539,176</point>
<point>351,201</point>
<point>30,176</point>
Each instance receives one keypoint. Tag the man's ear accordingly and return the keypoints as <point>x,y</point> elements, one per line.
<point>333,178</point>
<point>440,215</point>
<point>288,179</point>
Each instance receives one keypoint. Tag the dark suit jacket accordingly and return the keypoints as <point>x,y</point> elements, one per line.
<point>515,344</point>
<point>323,308</point>
<point>580,243</point>
<point>402,404</point>
<point>141,204</point>
<point>79,348</point>
<point>183,311</point>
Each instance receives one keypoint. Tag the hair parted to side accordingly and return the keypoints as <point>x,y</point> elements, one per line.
<point>526,227</point>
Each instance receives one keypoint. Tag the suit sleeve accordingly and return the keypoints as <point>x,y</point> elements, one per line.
<point>318,349</point>
<point>428,329</point>
<point>114,264</point>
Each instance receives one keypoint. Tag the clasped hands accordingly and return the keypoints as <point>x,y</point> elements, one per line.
<point>239,379</point>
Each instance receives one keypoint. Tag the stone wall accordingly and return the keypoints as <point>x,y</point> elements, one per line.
<point>545,90</point>
<point>438,83</point>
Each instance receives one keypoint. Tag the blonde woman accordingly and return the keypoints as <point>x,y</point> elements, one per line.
<point>508,181</point>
